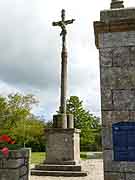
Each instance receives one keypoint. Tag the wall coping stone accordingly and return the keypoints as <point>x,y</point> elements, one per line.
<point>123,25</point>
<point>117,14</point>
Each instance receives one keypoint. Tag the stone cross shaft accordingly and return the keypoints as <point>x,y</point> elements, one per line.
<point>62,24</point>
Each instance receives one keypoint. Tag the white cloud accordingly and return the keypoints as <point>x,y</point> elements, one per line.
<point>30,50</point>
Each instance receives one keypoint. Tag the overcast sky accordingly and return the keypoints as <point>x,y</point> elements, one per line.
<point>30,51</point>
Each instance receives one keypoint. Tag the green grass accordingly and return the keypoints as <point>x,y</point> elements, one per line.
<point>91,155</point>
<point>37,157</point>
<point>83,156</point>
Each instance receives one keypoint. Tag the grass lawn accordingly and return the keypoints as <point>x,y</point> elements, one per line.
<point>37,157</point>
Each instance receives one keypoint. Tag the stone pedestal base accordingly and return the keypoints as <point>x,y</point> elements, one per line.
<point>62,154</point>
<point>63,146</point>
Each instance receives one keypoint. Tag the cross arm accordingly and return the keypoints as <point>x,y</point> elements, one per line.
<point>69,21</point>
<point>60,23</point>
<point>56,23</point>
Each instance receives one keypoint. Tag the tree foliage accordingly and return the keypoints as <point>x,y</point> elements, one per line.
<point>17,120</point>
<point>15,107</point>
<point>88,124</point>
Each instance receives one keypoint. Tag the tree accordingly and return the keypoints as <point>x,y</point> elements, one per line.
<point>90,125</point>
<point>30,133</point>
<point>17,121</point>
<point>15,107</point>
<point>3,111</point>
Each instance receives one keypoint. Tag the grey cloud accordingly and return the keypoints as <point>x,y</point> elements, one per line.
<point>27,54</point>
<point>30,52</point>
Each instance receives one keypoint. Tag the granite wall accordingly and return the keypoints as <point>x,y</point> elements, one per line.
<point>16,166</point>
<point>115,39</point>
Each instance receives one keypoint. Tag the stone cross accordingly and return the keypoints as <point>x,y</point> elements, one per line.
<point>62,24</point>
<point>117,4</point>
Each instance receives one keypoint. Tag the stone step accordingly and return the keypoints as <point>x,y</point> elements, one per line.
<point>58,173</point>
<point>63,162</point>
<point>53,167</point>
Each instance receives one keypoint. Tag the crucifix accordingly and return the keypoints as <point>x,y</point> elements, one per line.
<point>62,24</point>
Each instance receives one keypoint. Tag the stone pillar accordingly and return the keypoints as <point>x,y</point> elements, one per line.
<point>63,81</point>
<point>60,121</point>
<point>16,166</point>
<point>115,39</point>
<point>70,121</point>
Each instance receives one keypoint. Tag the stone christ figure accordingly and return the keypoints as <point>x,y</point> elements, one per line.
<point>62,24</point>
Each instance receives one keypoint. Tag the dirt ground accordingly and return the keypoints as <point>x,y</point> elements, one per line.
<point>94,168</point>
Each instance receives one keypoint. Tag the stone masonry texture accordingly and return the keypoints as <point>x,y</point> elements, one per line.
<point>62,145</point>
<point>16,166</point>
<point>115,39</point>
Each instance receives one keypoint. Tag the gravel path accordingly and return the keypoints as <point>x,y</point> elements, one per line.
<point>94,168</point>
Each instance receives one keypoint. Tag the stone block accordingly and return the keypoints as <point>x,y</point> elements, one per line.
<point>111,117</point>
<point>116,26</point>
<point>13,174</point>
<point>132,56</point>
<point>132,115</point>
<point>106,56</point>
<point>130,176</point>
<point>21,153</point>
<point>114,176</point>
<point>14,166</point>
<point>107,138</point>
<point>127,167</point>
<point>11,163</point>
<point>116,39</point>
<point>107,78</point>
<point>117,14</point>
<point>23,170</point>
<point>27,162</point>
<point>62,145</point>
<point>70,121</point>
<point>108,155</point>
<point>106,99</point>
<point>124,100</point>
<point>119,166</point>
<point>112,166</point>
<point>60,121</point>
<point>24,178</point>
<point>59,174</point>
<point>121,57</point>
<point>118,78</point>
